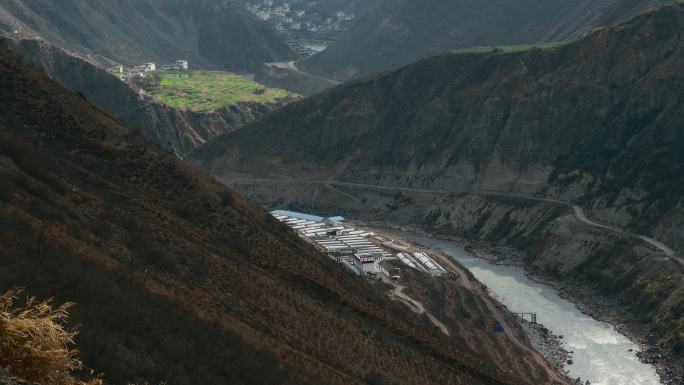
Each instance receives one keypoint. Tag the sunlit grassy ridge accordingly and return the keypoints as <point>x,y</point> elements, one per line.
<point>35,343</point>
<point>205,91</point>
<point>509,48</point>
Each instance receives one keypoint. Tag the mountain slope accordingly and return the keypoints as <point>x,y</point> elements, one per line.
<point>596,123</point>
<point>589,118</point>
<point>177,279</point>
<point>401,32</point>
<point>211,34</point>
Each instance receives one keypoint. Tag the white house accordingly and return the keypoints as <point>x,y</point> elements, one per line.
<point>365,264</point>
<point>150,67</point>
<point>116,69</point>
<point>182,65</point>
<point>136,72</point>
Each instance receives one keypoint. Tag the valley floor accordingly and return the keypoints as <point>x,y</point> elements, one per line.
<point>560,239</point>
<point>423,275</point>
<point>588,302</point>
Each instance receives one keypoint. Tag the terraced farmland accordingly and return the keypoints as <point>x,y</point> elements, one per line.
<point>206,91</point>
<point>509,48</point>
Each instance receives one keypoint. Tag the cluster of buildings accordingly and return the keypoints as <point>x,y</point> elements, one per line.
<point>363,252</point>
<point>307,29</point>
<point>141,70</point>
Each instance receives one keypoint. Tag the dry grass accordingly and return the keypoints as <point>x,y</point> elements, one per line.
<point>35,343</point>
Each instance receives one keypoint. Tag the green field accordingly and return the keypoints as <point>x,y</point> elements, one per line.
<point>509,48</point>
<point>207,91</point>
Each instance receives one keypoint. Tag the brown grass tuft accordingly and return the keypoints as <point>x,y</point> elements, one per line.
<point>35,341</point>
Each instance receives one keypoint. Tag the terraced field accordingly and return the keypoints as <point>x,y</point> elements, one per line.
<point>509,48</point>
<point>207,91</point>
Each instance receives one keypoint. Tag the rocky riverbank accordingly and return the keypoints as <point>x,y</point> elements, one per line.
<point>547,344</point>
<point>590,303</point>
<point>670,371</point>
<point>600,308</point>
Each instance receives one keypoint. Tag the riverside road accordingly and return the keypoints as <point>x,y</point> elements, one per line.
<point>577,210</point>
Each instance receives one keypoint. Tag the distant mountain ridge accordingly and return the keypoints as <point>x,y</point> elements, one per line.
<point>558,121</point>
<point>212,34</point>
<point>401,32</point>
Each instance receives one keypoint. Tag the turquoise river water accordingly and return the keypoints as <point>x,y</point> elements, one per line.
<point>600,355</point>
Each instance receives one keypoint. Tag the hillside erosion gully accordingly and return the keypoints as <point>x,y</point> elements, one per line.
<point>577,210</point>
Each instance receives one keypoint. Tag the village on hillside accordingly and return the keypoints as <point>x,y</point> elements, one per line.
<point>177,86</point>
<point>128,73</point>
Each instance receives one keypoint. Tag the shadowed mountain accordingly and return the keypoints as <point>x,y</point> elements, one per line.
<point>212,34</point>
<point>401,32</point>
<point>177,279</point>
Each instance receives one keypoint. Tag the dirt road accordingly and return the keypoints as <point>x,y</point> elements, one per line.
<point>577,210</point>
<point>415,305</point>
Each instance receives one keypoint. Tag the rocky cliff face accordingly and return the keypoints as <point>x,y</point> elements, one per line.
<point>177,278</point>
<point>401,32</point>
<point>180,131</point>
<point>211,34</point>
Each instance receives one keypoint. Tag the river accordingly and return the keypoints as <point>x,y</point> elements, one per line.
<point>601,355</point>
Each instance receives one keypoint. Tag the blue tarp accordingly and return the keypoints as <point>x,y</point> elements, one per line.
<point>306,217</point>
<point>293,214</point>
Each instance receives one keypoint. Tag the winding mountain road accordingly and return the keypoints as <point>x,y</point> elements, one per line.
<point>579,213</point>
<point>418,307</point>
<point>292,66</point>
<point>577,210</point>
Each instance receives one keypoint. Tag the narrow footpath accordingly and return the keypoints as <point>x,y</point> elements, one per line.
<point>416,306</point>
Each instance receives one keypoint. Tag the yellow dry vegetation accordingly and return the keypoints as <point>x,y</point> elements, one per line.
<point>35,343</point>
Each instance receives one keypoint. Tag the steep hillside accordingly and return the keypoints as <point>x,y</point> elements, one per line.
<point>595,123</point>
<point>179,280</point>
<point>597,120</point>
<point>400,32</point>
<point>180,131</point>
<point>212,34</point>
